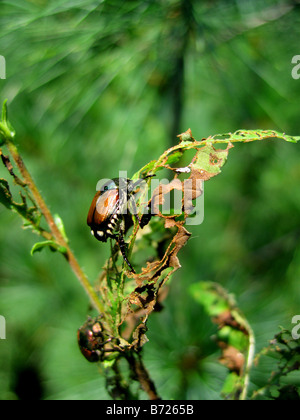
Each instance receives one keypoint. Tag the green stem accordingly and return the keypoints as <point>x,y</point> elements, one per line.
<point>250,357</point>
<point>54,229</point>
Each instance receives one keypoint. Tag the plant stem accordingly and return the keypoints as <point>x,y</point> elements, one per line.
<point>54,229</point>
<point>142,376</point>
<point>250,357</point>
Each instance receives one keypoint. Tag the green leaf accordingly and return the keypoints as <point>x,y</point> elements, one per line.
<point>7,133</point>
<point>39,246</point>
<point>231,385</point>
<point>210,159</point>
<point>4,111</point>
<point>145,169</point>
<point>174,157</point>
<point>206,294</point>
<point>283,357</point>
<point>252,135</point>
<point>60,224</point>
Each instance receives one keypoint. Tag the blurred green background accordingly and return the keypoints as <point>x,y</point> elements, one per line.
<point>95,87</point>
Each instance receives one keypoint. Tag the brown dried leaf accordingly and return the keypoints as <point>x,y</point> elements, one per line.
<point>149,284</point>
<point>227,318</point>
<point>158,197</point>
<point>232,358</point>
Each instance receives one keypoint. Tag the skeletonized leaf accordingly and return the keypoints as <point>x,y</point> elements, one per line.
<point>5,194</point>
<point>208,161</point>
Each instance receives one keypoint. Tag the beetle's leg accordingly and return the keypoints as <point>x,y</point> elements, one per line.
<point>123,249</point>
<point>144,220</point>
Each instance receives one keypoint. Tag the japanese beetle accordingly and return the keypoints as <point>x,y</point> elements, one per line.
<point>91,340</point>
<point>108,216</point>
